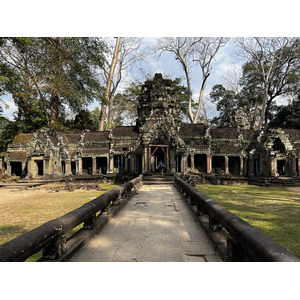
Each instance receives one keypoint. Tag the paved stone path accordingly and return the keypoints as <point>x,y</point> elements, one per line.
<point>154,226</point>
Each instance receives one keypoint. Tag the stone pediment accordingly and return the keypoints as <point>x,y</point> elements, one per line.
<point>40,144</point>
<point>161,131</point>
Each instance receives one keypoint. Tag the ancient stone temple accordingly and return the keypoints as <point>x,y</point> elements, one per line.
<point>159,135</point>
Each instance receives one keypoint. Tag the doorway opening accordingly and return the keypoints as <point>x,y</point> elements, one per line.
<point>281,167</point>
<point>101,165</point>
<point>234,165</point>
<point>16,168</point>
<point>87,165</point>
<point>200,162</point>
<point>73,167</point>
<point>218,164</point>
<point>158,153</point>
<point>40,167</point>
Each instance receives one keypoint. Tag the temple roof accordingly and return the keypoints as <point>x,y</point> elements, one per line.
<point>99,136</point>
<point>192,130</point>
<point>121,131</point>
<point>17,156</point>
<point>224,133</point>
<point>21,139</point>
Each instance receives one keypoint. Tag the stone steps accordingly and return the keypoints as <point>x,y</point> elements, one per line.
<point>158,179</point>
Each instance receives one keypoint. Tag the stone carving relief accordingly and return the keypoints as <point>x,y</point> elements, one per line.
<point>40,144</point>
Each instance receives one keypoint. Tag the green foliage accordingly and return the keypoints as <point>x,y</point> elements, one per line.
<point>227,102</point>
<point>287,116</point>
<point>125,105</point>
<point>44,75</point>
<point>83,120</point>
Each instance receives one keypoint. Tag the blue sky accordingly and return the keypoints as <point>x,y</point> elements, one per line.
<point>171,68</point>
<point>156,18</point>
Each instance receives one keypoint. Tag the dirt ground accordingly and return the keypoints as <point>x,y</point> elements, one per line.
<point>22,210</point>
<point>294,189</point>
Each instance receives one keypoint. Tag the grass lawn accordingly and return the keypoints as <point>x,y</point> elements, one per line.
<point>275,211</point>
<point>24,210</point>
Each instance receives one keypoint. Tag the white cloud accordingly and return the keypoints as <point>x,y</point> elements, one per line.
<point>8,112</point>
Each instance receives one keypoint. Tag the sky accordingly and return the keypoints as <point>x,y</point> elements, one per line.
<point>156,19</point>
<point>171,68</point>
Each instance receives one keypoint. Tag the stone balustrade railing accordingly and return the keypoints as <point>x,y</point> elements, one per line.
<point>51,236</point>
<point>242,241</point>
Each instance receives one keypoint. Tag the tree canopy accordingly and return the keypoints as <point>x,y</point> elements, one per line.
<point>47,75</point>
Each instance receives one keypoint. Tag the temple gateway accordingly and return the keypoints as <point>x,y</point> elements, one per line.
<point>159,135</point>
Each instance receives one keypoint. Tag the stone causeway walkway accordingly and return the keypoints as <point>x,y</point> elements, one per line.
<point>156,225</point>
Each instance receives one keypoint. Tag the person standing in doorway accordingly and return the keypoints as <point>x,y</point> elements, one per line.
<point>161,167</point>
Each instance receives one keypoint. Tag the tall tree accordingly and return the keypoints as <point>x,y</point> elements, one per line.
<point>130,54</point>
<point>276,63</point>
<point>189,51</point>
<point>46,74</point>
<point>205,52</point>
<point>227,102</point>
<point>108,83</point>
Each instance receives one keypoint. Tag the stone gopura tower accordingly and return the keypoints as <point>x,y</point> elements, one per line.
<point>159,135</point>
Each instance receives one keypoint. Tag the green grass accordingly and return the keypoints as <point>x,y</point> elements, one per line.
<point>275,211</point>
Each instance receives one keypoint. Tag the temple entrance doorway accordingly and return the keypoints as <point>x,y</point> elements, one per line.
<point>158,153</point>
<point>16,168</point>
<point>281,167</point>
<point>73,167</point>
<point>40,167</point>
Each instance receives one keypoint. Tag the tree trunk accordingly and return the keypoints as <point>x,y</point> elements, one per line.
<point>195,120</point>
<point>190,112</point>
<point>110,113</point>
<point>263,108</point>
<point>108,84</point>
<point>54,105</point>
<point>254,116</point>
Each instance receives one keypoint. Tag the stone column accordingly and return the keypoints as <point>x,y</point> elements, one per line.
<point>76,167</point>
<point>272,166</point>
<point>125,164</point>
<point>145,160</point>
<point>111,163</point>
<point>107,164</point>
<point>8,166</point>
<point>94,168</point>
<point>193,162</point>
<point>172,160</point>
<point>68,167</point>
<point>24,167</point>
<point>251,166</point>
<point>30,166</point>
<point>79,166</point>
<point>241,165</point>
<point>262,170</point>
<point>226,166</point>
<point>47,164</point>
<point>208,164</point>
<point>132,164</point>
<point>245,171</point>
<point>293,166</point>
<point>185,161</point>
<point>298,162</point>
